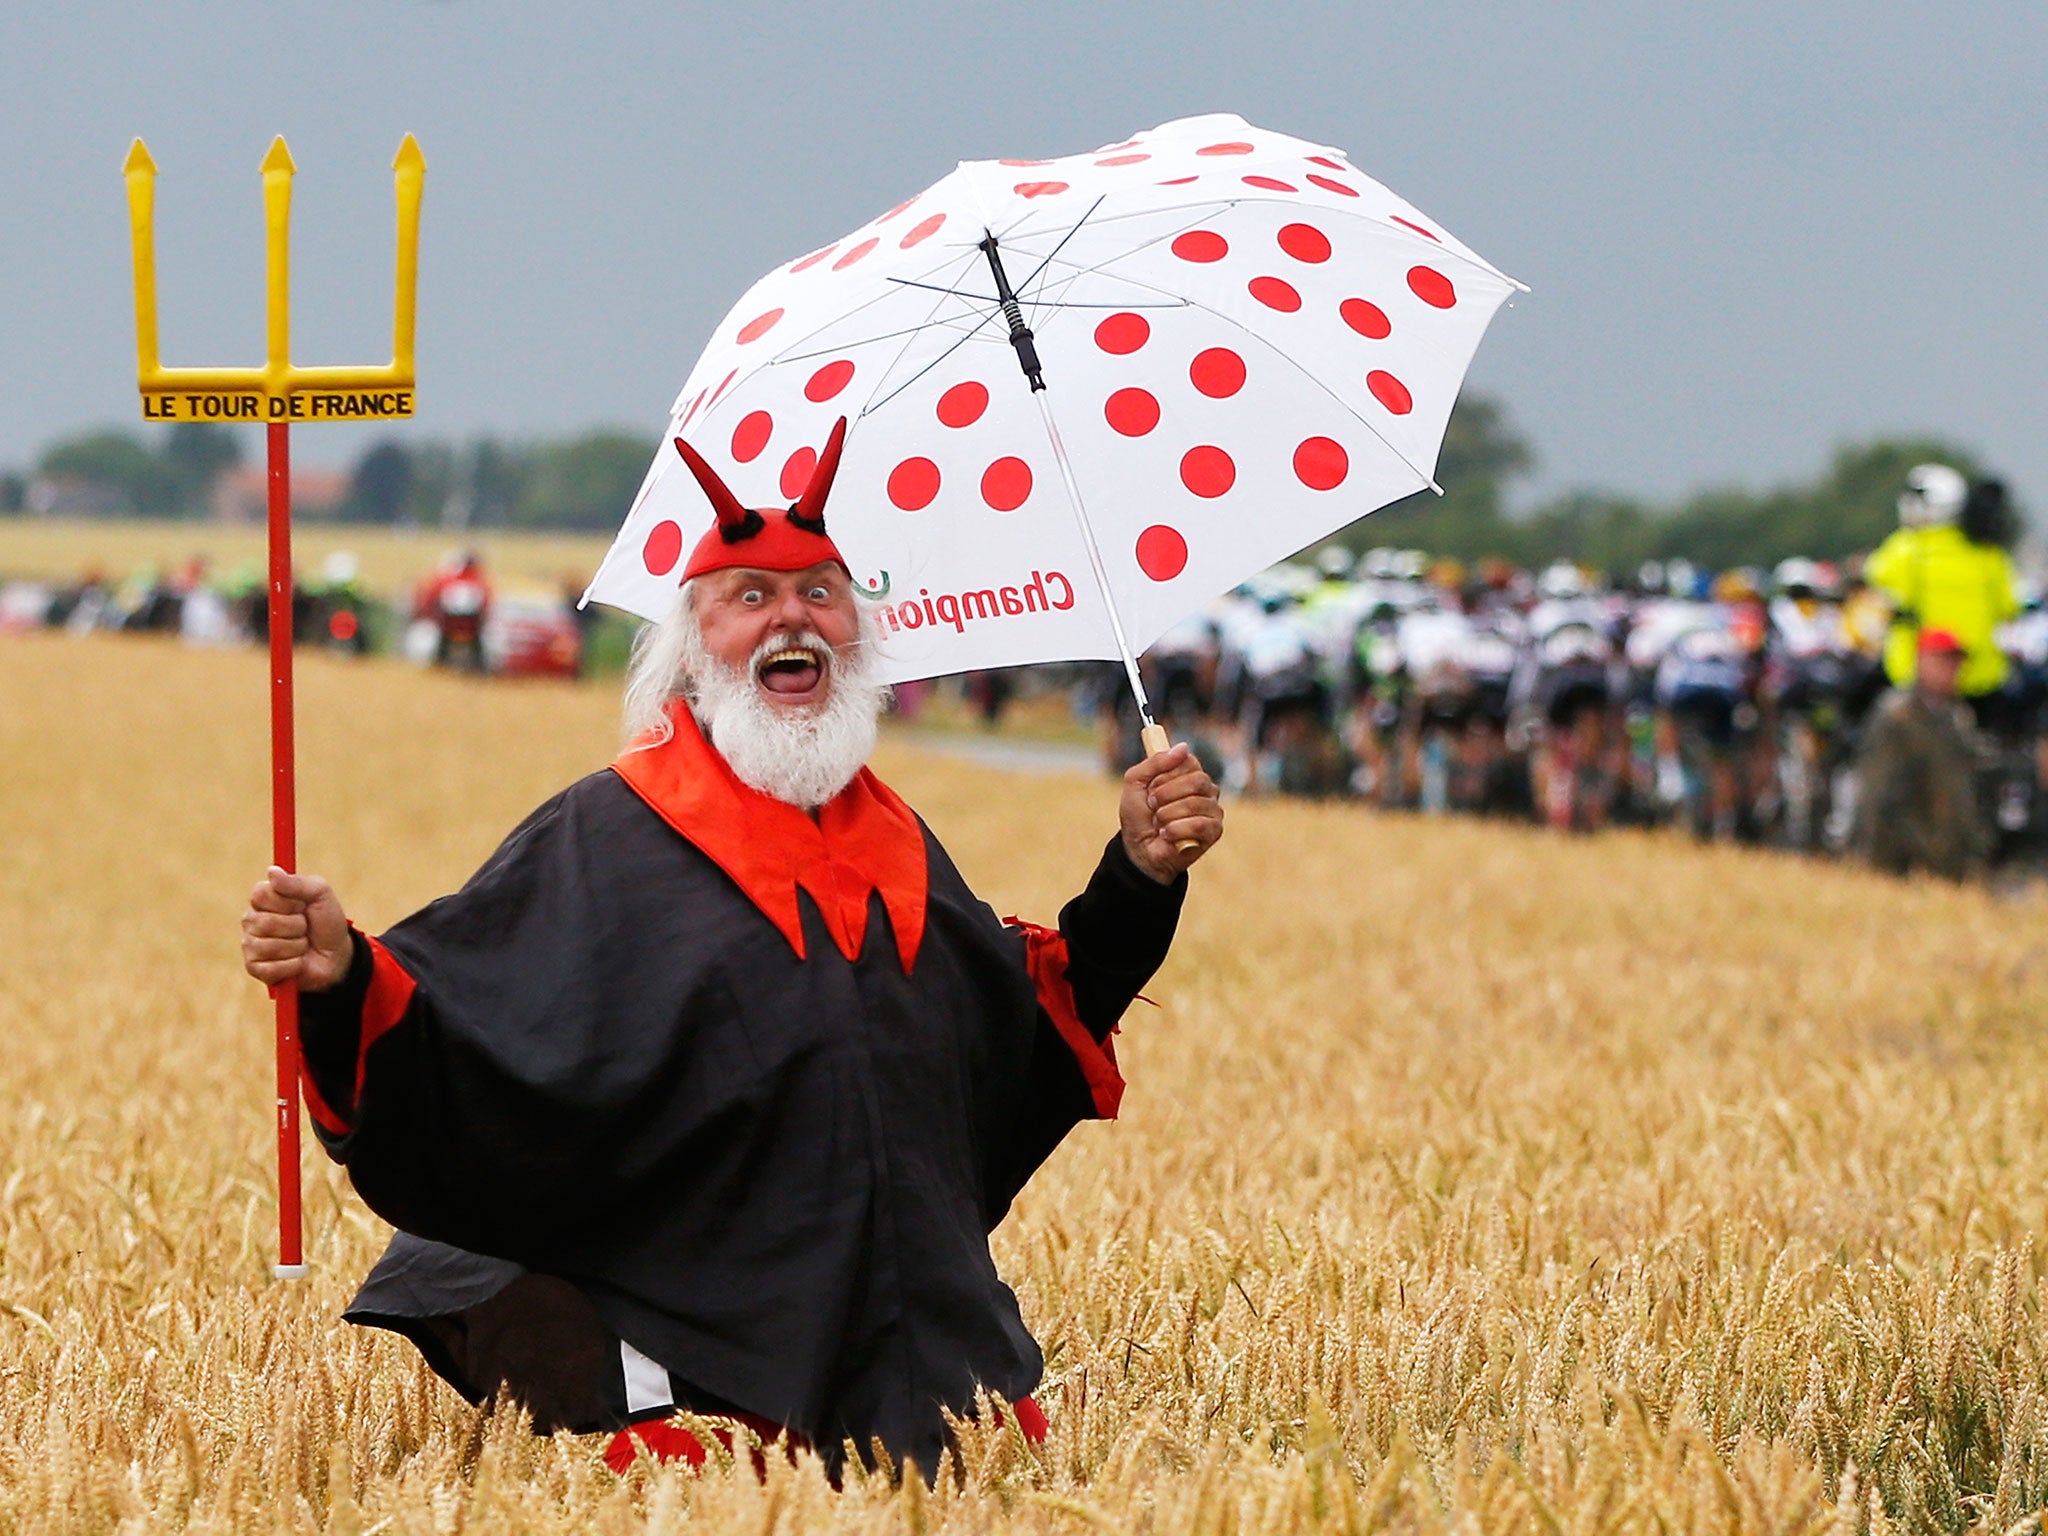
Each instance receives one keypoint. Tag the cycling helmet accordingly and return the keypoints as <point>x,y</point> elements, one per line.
<point>1335,562</point>
<point>1561,579</point>
<point>1735,586</point>
<point>1934,495</point>
<point>1798,577</point>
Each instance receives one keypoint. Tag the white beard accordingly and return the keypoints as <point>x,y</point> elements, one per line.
<point>801,756</point>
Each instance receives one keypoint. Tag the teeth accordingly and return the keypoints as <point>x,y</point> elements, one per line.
<point>794,654</point>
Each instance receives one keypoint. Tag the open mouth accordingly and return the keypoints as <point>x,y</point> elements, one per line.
<point>794,672</point>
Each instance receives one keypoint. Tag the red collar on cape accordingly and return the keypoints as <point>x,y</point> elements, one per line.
<point>864,840</point>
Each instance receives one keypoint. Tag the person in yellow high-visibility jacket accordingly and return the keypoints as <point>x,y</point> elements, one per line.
<point>1936,577</point>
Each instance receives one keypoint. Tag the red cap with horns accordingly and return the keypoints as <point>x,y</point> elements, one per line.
<point>766,538</point>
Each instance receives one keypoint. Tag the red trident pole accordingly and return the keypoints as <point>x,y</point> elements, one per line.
<point>284,844</point>
<point>277,394</point>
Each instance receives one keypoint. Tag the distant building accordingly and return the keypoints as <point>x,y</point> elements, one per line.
<point>242,494</point>
<point>73,496</point>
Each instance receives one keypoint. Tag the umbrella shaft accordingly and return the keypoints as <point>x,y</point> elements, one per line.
<point>1116,623</point>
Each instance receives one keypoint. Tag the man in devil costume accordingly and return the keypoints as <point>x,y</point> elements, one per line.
<point>706,1091</point>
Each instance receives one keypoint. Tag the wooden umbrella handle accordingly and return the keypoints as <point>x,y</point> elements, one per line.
<point>1157,741</point>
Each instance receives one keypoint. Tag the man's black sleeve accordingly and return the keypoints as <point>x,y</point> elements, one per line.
<point>1117,932</point>
<point>330,1031</point>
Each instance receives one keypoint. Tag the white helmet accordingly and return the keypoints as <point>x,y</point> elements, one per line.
<point>1561,579</point>
<point>1798,574</point>
<point>1934,495</point>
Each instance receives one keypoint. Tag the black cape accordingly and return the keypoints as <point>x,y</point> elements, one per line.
<point>775,1176</point>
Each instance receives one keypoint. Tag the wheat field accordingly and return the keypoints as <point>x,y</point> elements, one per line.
<point>1469,1179</point>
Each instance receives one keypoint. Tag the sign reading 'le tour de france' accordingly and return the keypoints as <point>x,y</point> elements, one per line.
<point>250,405</point>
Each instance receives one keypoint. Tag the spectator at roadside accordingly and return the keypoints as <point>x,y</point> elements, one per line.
<point>1919,809</point>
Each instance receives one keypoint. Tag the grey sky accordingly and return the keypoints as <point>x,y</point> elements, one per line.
<point>1753,230</point>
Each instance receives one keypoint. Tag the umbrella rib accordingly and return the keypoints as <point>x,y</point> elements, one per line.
<point>875,405</point>
<point>1032,276</point>
<point>1041,303</point>
<point>869,341</point>
<point>788,355</point>
<point>965,337</point>
<point>909,334</point>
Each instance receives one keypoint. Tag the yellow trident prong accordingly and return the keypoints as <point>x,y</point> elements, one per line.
<point>276,391</point>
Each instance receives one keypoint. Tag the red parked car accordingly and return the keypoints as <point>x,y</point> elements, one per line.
<point>531,634</point>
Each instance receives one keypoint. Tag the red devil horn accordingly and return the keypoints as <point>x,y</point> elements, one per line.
<point>811,505</point>
<point>731,515</point>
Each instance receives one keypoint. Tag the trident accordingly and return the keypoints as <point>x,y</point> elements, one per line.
<point>279,394</point>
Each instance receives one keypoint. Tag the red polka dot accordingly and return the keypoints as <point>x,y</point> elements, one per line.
<point>1217,372</point>
<point>962,405</point>
<point>1390,392</point>
<point>1335,165</point>
<point>1304,242</point>
<point>854,254</point>
<point>1270,183</point>
<point>1203,245</point>
<point>815,257</point>
<point>1366,318</point>
<point>1179,181</point>
<point>1207,471</point>
<point>1133,412</point>
<point>722,386</point>
<point>921,231</point>
<point>1162,552</point>
<point>796,471</point>
<point>1411,224</point>
<point>1275,294</point>
<point>751,436</point>
<point>1039,188</point>
<point>663,548</point>
<point>1432,287</point>
<point>828,381</point>
<point>1321,464</point>
<point>758,327</point>
<point>1006,484</point>
<point>1332,186</point>
<point>692,411</point>
<point>1232,148</point>
<point>885,218</point>
<point>1123,333</point>
<point>1023,162</point>
<point>914,484</point>
<point>1110,149</point>
<point>1123,160</point>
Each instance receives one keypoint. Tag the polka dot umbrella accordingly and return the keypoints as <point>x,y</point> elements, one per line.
<point>1087,394</point>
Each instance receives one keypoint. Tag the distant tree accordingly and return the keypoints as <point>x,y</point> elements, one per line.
<point>497,477</point>
<point>434,486</point>
<point>13,493</point>
<point>199,453</point>
<point>1848,509</point>
<point>586,483</point>
<point>380,485</point>
<point>1605,533</point>
<point>118,462</point>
